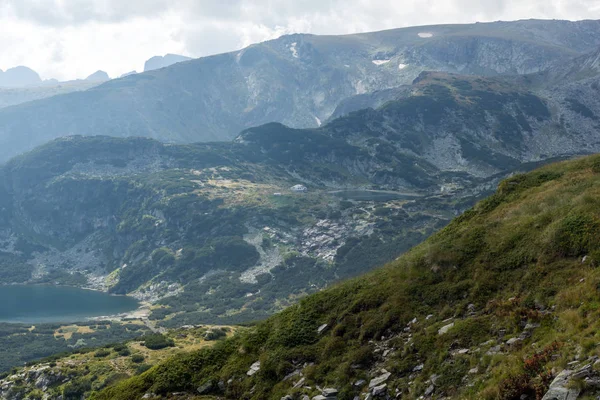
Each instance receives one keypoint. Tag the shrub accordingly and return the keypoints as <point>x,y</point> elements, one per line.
<point>137,358</point>
<point>157,341</point>
<point>102,353</point>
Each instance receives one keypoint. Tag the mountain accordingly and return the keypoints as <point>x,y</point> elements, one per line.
<point>98,76</point>
<point>19,77</point>
<point>128,73</point>
<point>298,80</point>
<point>158,62</point>
<point>217,230</point>
<point>500,304</point>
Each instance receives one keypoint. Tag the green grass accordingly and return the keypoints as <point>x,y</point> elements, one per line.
<point>513,256</point>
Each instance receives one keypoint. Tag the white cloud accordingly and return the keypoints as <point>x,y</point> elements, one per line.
<point>73,38</point>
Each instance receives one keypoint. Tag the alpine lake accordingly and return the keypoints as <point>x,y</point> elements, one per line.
<point>47,303</point>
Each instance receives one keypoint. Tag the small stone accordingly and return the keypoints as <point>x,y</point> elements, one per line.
<point>360,383</point>
<point>330,392</point>
<point>322,328</point>
<point>427,318</point>
<point>379,380</point>
<point>379,390</point>
<point>319,397</point>
<point>204,389</point>
<point>444,329</point>
<point>418,368</point>
<point>583,372</point>
<point>473,370</point>
<point>429,390</point>
<point>299,383</point>
<point>254,368</point>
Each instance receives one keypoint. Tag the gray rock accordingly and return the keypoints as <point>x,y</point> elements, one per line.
<point>583,372</point>
<point>299,383</point>
<point>444,329</point>
<point>322,328</point>
<point>291,375</point>
<point>379,380</point>
<point>254,368</point>
<point>319,397</point>
<point>559,388</point>
<point>379,390</point>
<point>329,392</point>
<point>205,388</point>
<point>360,383</point>
<point>429,390</point>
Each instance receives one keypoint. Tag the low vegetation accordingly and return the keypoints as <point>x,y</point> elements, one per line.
<point>491,307</point>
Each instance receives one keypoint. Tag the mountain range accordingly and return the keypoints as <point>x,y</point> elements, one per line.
<point>22,84</point>
<point>297,80</point>
<point>19,77</point>
<point>268,183</point>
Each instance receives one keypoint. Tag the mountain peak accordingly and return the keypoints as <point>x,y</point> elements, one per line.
<point>18,77</point>
<point>98,76</point>
<point>158,62</point>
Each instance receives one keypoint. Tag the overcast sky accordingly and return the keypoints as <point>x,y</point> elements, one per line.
<point>69,39</point>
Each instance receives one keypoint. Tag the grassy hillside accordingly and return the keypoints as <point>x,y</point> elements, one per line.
<point>493,307</point>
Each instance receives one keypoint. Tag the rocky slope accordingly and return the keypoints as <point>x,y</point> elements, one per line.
<point>297,80</point>
<point>501,304</point>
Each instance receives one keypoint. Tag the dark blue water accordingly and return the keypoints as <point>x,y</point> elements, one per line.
<point>45,303</point>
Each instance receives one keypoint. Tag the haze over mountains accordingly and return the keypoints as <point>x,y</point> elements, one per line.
<point>19,77</point>
<point>22,84</point>
<point>298,80</point>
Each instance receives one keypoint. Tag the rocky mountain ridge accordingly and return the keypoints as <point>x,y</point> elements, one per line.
<point>214,98</point>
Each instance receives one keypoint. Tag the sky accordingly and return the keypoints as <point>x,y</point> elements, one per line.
<point>69,39</point>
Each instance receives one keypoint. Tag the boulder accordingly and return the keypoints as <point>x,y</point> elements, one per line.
<point>559,388</point>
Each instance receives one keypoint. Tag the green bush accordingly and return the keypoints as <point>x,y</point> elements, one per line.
<point>137,358</point>
<point>102,353</point>
<point>157,341</point>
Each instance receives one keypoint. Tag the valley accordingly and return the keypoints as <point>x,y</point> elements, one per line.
<point>409,213</point>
